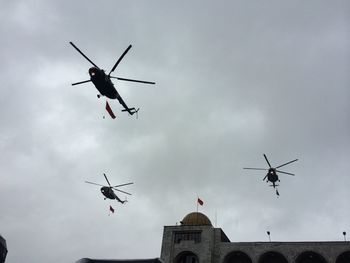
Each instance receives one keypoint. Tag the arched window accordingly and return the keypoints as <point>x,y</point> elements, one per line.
<point>310,257</point>
<point>186,257</point>
<point>272,257</point>
<point>343,258</point>
<point>237,257</point>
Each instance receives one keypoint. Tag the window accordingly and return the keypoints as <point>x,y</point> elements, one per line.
<point>187,236</point>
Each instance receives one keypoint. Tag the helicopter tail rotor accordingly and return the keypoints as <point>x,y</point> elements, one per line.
<point>132,111</point>
<point>137,113</point>
<point>124,201</point>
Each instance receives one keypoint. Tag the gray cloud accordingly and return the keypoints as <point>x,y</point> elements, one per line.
<point>234,80</point>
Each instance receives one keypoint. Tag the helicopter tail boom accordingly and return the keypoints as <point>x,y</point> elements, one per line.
<point>132,111</point>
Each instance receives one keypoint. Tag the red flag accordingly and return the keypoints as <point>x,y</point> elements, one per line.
<point>111,209</point>
<point>200,201</point>
<point>108,108</point>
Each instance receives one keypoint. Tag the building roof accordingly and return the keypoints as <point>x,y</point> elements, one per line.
<point>196,219</point>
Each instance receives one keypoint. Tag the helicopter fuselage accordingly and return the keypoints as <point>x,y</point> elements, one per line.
<point>108,192</point>
<point>272,176</point>
<point>103,83</point>
<point>106,87</point>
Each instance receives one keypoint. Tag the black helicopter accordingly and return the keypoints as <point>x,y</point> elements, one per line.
<point>103,82</point>
<point>108,192</point>
<point>271,175</point>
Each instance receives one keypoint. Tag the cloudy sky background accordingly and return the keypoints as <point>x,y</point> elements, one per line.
<point>235,79</point>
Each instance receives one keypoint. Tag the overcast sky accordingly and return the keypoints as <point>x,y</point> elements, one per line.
<point>234,80</point>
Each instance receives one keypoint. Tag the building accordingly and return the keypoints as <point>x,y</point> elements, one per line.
<point>197,241</point>
<point>3,249</point>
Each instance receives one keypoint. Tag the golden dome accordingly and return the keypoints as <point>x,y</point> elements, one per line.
<point>196,219</point>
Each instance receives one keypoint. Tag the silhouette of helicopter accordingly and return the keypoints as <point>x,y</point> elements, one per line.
<point>108,192</point>
<point>103,82</point>
<point>271,175</point>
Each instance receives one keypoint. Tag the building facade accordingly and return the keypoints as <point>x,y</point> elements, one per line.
<point>197,241</point>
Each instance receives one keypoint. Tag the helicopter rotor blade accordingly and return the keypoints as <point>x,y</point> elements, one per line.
<point>81,53</point>
<point>107,179</point>
<point>121,191</point>
<point>81,82</point>
<point>264,177</point>
<point>263,169</point>
<point>94,183</point>
<point>285,173</point>
<point>267,161</point>
<point>287,163</point>
<point>121,57</point>
<point>120,185</point>
<point>134,80</point>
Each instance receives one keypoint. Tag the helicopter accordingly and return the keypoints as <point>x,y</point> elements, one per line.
<point>108,192</point>
<point>103,82</point>
<point>271,175</point>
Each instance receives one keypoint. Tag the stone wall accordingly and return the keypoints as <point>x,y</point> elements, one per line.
<point>215,247</point>
<point>290,250</point>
